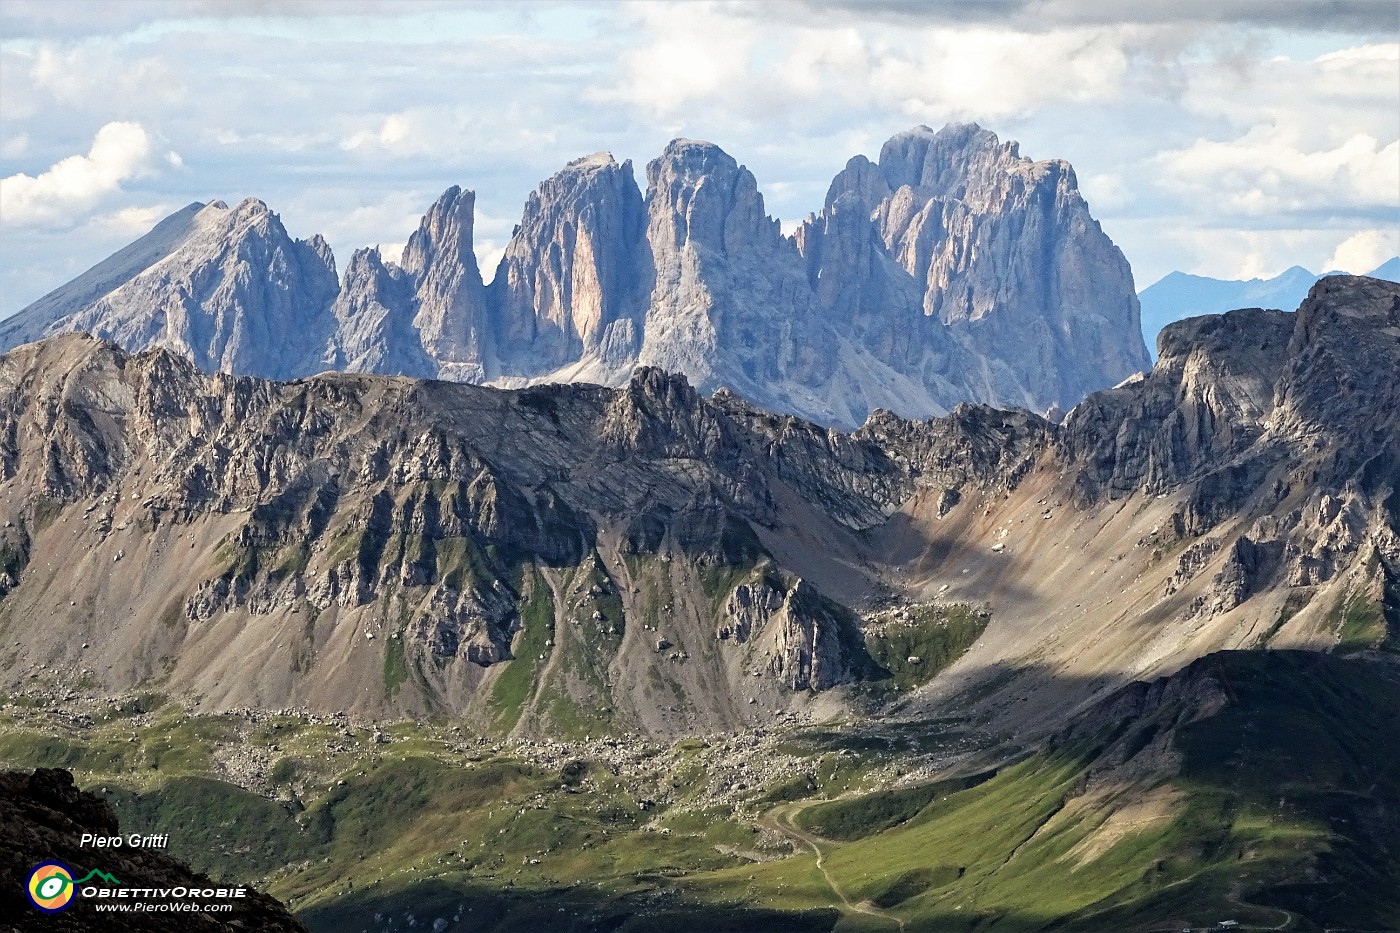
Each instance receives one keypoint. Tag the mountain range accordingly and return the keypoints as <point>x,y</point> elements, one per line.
<point>1182,295</point>
<point>661,561</point>
<point>416,653</point>
<point>669,581</point>
<point>951,270</point>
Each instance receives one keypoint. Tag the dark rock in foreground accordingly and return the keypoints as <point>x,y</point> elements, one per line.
<point>44,816</point>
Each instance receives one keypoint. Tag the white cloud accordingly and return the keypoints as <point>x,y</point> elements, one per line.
<point>1327,99</point>
<point>120,151</point>
<point>400,131</point>
<point>264,142</point>
<point>445,132</point>
<point>1365,250</point>
<point>88,72</point>
<point>392,252</point>
<point>1248,254</point>
<point>1266,172</point>
<point>708,54</point>
<point>1106,191</point>
<point>14,147</point>
<point>488,257</point>
<point>988,73</point>
<point>693,52</point>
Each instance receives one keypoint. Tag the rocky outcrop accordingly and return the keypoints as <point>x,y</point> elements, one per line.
<point>806,641</point>
<point>1206,401</point>
<point>1283,424</point>
<point>811,646</point>
<point>45,816</point>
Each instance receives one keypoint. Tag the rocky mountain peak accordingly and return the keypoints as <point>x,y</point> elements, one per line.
<point>48,315</point>
<point>1341,379</point>
<point>450,314</point>
<point>1336,303</point>
<point>699,195</point>
<point>374,319</point>
<point>572,285</point>
<point>941,164</point>
<point>952,269</point>
<point>592,162</point>
<point>366,260</point>
<point>728,286</point>
<point>1231,393</point>
<point>862,180</point>
<point>228,287</point>
<point>444,236</point>
<point>251,207</point>
<point>321,248</point>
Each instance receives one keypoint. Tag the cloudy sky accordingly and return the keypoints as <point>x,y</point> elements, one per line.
<point>1226,137</point>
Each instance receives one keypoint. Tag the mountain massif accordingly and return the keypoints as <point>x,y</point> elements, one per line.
<point>951,270</point>
<point>575,558</point>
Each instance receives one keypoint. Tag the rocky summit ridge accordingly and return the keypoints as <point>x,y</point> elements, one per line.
<point>577,558</point>
<point>951,270</point>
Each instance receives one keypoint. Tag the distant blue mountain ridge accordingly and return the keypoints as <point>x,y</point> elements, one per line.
<point>1181,295</point>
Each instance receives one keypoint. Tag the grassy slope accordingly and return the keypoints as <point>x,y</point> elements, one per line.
<point>934,635</point>
<point>1288,798</point>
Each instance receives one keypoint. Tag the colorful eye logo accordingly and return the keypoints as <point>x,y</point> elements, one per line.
<point>50,887</point>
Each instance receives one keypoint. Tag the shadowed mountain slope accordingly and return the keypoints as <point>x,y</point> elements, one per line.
<point>582,558</point>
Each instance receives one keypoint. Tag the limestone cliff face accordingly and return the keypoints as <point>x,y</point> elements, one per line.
<point>237,294</point>
<point>572,287</point>
<point>952,270</point>
<point>860,289</point>
<point>729,306</point>
<point>450,312</point>
<point>1004,251</point>
<point>1207,400</point>
<point>374,321</point>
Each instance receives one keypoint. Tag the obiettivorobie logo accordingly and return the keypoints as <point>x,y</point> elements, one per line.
<point>52,888</point>
<point>51,885</point>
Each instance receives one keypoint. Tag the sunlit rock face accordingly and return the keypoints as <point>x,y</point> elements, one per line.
<point>951,270</point>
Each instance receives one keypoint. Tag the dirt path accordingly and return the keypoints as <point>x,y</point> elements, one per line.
<point>781,819</point>
<point>1234,898</point>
